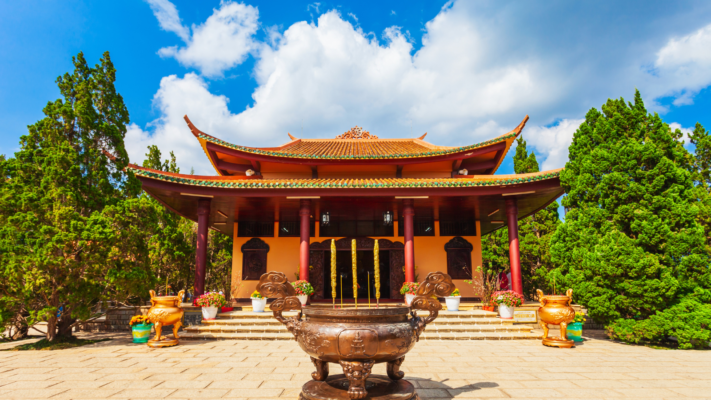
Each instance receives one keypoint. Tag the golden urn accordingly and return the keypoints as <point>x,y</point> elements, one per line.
<point>165,310</point>
<point>556,310</point>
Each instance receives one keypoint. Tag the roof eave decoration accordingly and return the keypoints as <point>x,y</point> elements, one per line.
<point>282,152</point>
<point>238,182</point>
<point>517,131</point>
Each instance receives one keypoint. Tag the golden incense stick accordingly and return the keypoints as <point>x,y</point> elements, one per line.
<point>355,272</point>
<point>376,257</point>
<point>368,289</point>
<point>341,291</point>
<point>333,271</point>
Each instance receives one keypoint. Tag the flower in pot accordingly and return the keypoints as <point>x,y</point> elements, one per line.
<point>490,283</point>
<point>453,300</point>
<point>140,328</point>
<point>575,328</point>
<point>211,302</point>
<point>507,300</point>
<point>303,290</point>
<point>409,289</point>
<point>259,302</point>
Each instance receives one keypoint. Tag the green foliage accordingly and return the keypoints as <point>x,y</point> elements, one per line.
<point>633,243</point>
<point>534,233</point>
<point>69,214</point>
<point>689,322</point>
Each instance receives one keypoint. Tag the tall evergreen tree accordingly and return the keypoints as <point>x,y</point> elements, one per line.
<point>69,236</point>
<point>632,247</point>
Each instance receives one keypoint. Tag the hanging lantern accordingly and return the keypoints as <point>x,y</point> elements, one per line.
<point>325,218</point>
<point>387,218</point>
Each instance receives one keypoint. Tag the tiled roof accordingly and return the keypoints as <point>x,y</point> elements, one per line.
<point>340,149</point>
<point>476,180</point>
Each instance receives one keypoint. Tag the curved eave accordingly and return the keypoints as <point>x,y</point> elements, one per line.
<point>212,146</point>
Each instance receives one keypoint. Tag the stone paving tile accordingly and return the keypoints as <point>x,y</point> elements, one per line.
<point>29,393</point>
<point>87,394</point>
<point>183,385</point>
<point>237,384</point>
<point>199,393</point>
<point>254,393</point>
<point>143,393</point>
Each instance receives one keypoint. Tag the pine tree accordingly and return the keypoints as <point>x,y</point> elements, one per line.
<point>632,246</point>
<point>71,224</point>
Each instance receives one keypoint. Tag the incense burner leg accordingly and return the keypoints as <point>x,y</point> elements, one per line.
<point>176,326</point>
<point>321,369</point>
<point>564,331</point>
<point>393,369</point>
<point>159,330</point>
<point>545,329</point>
<point>357,373</point>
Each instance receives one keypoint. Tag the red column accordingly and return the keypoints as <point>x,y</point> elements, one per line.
<point>408,213</point>
<point>304,214</point>
<point>203,213</point>
<point>514,255</point>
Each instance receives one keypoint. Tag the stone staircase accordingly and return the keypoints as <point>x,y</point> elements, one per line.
<point>449,325</point>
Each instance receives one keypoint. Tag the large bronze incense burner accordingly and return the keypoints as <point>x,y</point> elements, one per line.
<point>556,310</point>
<point>357,339</point>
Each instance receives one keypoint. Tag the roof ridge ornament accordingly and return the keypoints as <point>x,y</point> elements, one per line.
<point>356,133</point>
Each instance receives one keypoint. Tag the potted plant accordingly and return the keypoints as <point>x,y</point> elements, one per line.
<point>211,302</point>
<point>140,328</point>
<point>453,301</point>
<point>507,300</point>
<point>258,302</point>
<point>489,284</point>
<point>303,290</point>
<point>575,328</point>
<point>409,289</point>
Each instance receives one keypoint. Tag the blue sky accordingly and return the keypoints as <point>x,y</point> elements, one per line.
<point>462,71</point>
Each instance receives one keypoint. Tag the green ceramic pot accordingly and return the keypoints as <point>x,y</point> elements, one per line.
<point>141,333</point>
<point>575,331</point>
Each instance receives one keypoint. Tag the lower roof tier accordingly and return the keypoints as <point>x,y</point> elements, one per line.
<point>235,199</point>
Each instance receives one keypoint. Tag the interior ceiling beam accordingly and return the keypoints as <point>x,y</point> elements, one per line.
<point>497,159</point>
<point>456,164</point>
<point>256,165</point>
<point>398,173</point>
<point>314,172</point>
<point>486,165</point>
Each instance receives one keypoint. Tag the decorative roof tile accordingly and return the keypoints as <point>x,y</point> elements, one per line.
<point>374,183</point>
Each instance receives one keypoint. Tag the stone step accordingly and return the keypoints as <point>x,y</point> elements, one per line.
<point>442,314</point>
<point>480,335</point>
<point>425,336</point>
<point>433,328</point>
<point>443,320</point>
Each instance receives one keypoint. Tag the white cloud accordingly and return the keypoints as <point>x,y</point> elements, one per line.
<point>168,18</point>
<point>176,98</point>
<point>552,142</point>
<point>675,125</point>
<point>683,66</point>
<point>222,42</point>
<point>473,78</point>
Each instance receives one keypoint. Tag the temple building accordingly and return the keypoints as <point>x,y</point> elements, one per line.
<point>427,205</point>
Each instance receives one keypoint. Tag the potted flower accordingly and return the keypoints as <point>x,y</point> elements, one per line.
<point>409,289</point>
<point>489,284</point>
<point>258,302</point>
<point>211,302</point>
<point>575,328</point>
<point>303,290</point>
<point>140,328</point>
<point>453,300</point>
<point>507,300</point>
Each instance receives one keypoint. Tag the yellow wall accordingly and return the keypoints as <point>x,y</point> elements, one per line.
<point>283,256</point>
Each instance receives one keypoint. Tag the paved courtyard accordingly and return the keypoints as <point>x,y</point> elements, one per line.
<point>119,369</point>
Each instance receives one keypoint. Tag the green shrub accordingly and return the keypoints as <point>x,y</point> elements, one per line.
<point>689,322</point>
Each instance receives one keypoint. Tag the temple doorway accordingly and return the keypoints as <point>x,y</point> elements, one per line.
<point>365,265</point>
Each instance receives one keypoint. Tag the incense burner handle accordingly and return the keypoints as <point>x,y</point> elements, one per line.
<point>435,284</point>
<point>276,285</point>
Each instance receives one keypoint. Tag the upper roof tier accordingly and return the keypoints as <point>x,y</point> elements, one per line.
<point>356,147</point>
